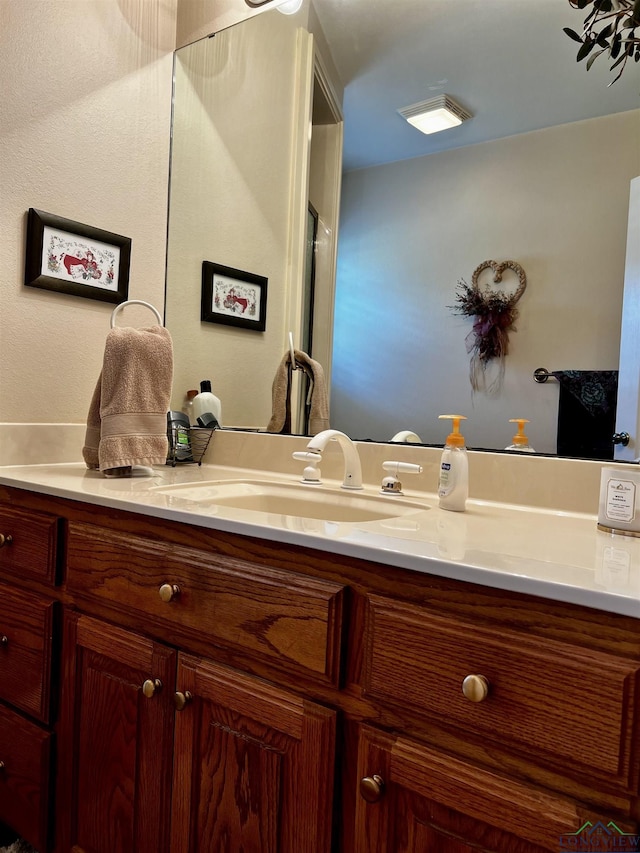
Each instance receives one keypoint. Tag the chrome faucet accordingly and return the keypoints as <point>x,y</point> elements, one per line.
<point>352,467</point>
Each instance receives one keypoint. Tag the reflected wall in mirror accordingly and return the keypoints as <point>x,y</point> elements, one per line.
<point>554,199</point>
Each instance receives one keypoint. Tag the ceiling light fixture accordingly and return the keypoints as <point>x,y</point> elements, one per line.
<point>290,7</point>
<point>434,115</point>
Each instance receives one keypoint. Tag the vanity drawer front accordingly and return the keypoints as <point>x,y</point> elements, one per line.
<point>26,637</point>
<point>291,621</point>
<point>571,706</point>
<point>24,777</point>
<point>29,541</point>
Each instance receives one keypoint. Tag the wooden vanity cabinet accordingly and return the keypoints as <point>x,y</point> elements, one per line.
<point>225,762</point>
<point>223,693</point>
<point>29,655</point>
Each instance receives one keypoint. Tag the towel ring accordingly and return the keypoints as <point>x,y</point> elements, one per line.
<point>292,353</point>
<point>134,302</point>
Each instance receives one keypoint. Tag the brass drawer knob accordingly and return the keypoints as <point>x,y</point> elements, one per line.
<point>475,688</point>
<point>151,686</point>
<point>169,592</point>
<point>5,539</point>
<point>181,700</point>
<point>372,788</point>
<point>2,766</point>
<point>4,641</point>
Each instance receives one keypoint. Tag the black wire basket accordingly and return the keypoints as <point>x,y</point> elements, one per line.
<point>189,451</point>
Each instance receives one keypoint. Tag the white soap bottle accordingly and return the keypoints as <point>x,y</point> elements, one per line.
<point>520,440</point>
<point>205,401</point>
<point>453,484</point>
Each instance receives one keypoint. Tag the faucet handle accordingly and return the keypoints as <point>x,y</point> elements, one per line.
<point>311,473</point>
<point>391,485</point>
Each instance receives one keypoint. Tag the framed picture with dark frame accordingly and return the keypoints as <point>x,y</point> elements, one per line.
<point>69,257</point>
<point>233,297</point>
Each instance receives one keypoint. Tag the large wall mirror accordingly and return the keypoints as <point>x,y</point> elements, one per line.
<point>539,175</point>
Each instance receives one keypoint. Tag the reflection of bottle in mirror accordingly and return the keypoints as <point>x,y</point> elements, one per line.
<point>520,440</point>
<point>452,536</point>
<point>187,408</point>
<point>453,484</point>
<point>205,402</point>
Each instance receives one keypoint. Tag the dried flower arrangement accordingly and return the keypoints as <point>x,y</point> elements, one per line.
<point>495,314</point>
<point>609,27</point>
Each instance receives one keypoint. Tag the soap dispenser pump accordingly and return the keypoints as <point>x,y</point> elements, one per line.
<point>520,440</point>
<point>453,484</point>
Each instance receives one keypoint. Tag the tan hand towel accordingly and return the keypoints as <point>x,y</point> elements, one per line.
<point>127,421</point>
<point>281,394</point>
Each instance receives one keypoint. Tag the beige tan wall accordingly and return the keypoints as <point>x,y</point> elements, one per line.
<point>85,121</point>
<point>556,201</point>
<point>200,18</point>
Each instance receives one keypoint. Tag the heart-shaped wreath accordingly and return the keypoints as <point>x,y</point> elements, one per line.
<point>495,314</point>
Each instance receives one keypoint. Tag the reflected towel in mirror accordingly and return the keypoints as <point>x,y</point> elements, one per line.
<point>586,412</point>
<point>317,399</point>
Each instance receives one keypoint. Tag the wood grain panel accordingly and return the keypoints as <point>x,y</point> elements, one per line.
<point>567,704</point>
<point>27,626</point>
<point>253,767</point>
<point>25,751</point>
<point>115,744</point>
<point>293,621</point>
<point>32,550</point>
<point>433,802</point>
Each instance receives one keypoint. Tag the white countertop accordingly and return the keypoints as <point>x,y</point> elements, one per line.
<point>556,555</point>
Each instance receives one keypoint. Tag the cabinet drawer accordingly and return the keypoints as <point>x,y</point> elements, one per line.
<point>570,706</point>
<point>26,636</point>
<point>30,540</point>
<point>291,621</point>
<point>24,777</point>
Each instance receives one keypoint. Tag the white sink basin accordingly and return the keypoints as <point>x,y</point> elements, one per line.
<point>292,499</point>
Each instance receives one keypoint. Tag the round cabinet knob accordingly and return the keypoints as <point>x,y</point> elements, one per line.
<point>2,766</point>
<point>4,641</point>
<point>169,592</point>
<point>372,788</point>
<point>475,688</point>
<point>181,700</point>
<point>151,686</point>
<point>5,539</point>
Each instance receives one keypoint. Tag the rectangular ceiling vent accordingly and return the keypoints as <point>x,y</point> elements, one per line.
<point>436,114</point>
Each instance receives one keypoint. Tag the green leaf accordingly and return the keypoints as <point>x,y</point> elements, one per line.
<point>603,35</point>
<point>572,34</point>
<point>615,47</point>
<point>585,50</point>
<point>593,58</point>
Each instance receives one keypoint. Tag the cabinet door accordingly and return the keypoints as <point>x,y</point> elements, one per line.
<point>253,767</point>
<point>423,801</point>
<point>116,740</point>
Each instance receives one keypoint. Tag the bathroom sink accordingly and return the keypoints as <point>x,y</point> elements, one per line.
<point>292,499</point>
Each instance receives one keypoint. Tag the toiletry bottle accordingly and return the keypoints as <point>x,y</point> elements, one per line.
<point>179,439</point>
<point>187,408</point>
<point>520,440</point>
<point>453,485</point>
<point>205,402</point>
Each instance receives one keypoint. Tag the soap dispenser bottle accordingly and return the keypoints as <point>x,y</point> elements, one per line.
<point>520,440</point>
<point>205,402</point>
<point>187,406</point>
<point>453,484</point>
